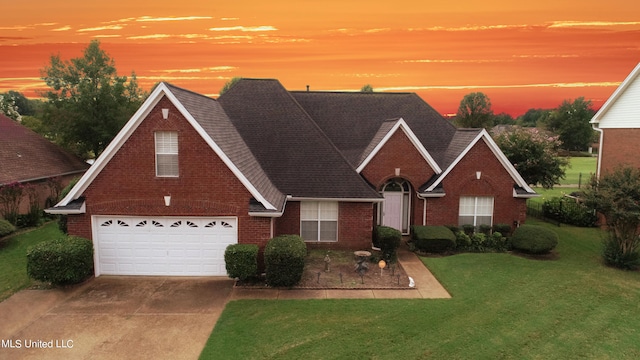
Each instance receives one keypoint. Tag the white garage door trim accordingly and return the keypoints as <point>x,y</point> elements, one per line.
<point>162,245</point>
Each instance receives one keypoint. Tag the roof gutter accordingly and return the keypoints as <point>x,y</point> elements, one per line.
<point>47,177</point>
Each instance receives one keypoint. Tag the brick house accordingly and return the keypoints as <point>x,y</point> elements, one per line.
<point>188,175</point>
<point>618,122</point>
<point>35,163</point>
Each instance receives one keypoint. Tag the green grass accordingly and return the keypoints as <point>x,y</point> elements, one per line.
<point>579,165</point>
<point>503,307</point>
<point>13,258</point>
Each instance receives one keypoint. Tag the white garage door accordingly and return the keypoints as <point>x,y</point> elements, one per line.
<point>175,246</point>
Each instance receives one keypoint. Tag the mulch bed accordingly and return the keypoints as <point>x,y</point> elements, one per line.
<point>342,274</point>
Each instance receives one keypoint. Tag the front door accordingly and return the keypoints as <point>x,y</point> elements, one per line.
<point>392,210</point>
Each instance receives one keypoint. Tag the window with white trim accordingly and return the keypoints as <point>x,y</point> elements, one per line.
<point>166,153</point>
<point>476,210</point>
<point>319,220</point>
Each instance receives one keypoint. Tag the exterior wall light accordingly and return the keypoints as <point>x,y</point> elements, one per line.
<point>167,200</point>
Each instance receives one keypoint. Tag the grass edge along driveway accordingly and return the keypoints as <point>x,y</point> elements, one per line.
<point>503,307</point>
<point>13,257</point>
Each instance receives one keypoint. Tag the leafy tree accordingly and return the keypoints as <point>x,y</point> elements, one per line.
<point>366,89</point>
<point>532,117</point>
<point>475,111</point>
<point>534,155</point>
<point>8,107</point>
<point>229,84</point>
<point>503,119</point>
<point>24,105</point>
<point>88,102</point>
<point>571,121</point>
<point>617,196</point>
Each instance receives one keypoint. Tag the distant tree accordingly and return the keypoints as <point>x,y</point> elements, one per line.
<point>229,84</point>
<point>475,111</point>
<point>571,122</point>
<point>532,117</point>
<point>534,155</point>
<point>367,88</point>
<point>88,103</point>
<point>503,119</point>
<point>617,196</point>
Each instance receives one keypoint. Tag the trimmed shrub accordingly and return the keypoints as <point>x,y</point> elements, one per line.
<point>63,261</point>
<point>463,241</point>
<point>534,239</point>
<point>388,240</point>
<point>567,211</point>
<point>485,229</point>
<point>504,229</point>
<point>241,260</point>
<point>497,242</point>
<point>284,260</point>
<point>6,228</point>
<point>468,229</point>
<point>436,239</point>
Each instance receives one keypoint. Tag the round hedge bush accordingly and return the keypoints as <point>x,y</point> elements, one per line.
<point>388,240</point>
<point>6,228</point>
<point>284,260</point>
<point>241,260</point>
<point>63,261</point>
<point>534,239</point>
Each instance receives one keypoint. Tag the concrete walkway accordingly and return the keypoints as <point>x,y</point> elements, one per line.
<point>427,287</point>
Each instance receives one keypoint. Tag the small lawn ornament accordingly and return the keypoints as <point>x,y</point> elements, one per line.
<point>411,282</point>
<point>327,263</point>
<point>382,265</point>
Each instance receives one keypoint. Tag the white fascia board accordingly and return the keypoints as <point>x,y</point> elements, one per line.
<point>274,214</point>
<point>133,124</point>
<point>616,94</point>
<point>401,124</point>
<point>431,195</point>
<point>484,135</point>
<point>301,198</point>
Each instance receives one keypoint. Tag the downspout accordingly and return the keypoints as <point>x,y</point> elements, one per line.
<point>599,150</point>
<point>424,212</point>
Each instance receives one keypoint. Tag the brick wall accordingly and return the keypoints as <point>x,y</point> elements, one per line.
<point>399,152</point>
<point>355,224</point>
<point>205,187</point>
<point>461,181</point>
<point>619,148</point>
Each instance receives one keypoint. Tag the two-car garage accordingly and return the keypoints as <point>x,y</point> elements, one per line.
<point>163,246</point>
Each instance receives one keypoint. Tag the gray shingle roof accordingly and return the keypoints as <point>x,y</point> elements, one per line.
<point>295,153</point>
<point>26,156</point>
<point>353,119</point>
<point>210,115</point>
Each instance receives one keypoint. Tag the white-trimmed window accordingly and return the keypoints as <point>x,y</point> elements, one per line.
<point>319,220</point>
<point>166,153</point>
<point>476,210</point>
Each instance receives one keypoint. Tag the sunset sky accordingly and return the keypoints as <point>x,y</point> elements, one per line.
<point>522,55</point>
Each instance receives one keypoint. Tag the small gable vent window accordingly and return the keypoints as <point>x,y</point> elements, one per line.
<point>166,153</point>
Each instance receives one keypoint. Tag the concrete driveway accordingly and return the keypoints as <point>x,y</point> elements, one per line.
<point>114,318</point>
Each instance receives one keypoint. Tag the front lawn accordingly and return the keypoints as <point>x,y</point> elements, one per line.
<point>13,258</point>
<point>503,307</point>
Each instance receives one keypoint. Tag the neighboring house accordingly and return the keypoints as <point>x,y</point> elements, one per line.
<point>618,122</point>
<point>30,160</point>
<point>188,175</point>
